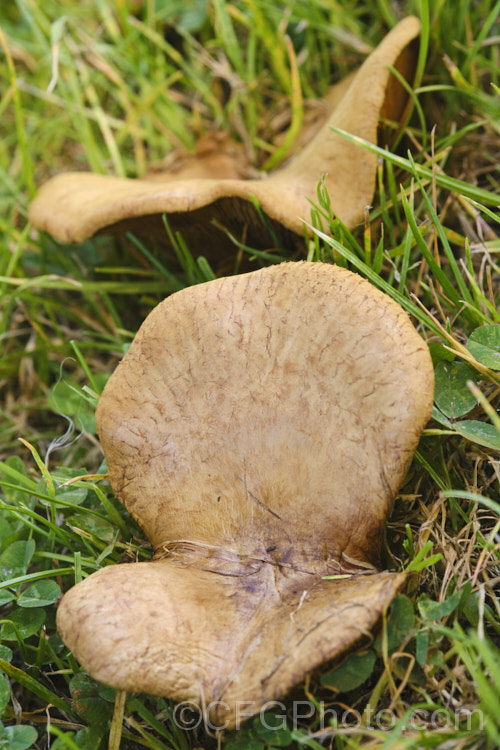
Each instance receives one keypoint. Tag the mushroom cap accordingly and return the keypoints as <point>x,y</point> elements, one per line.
<point>74,206</point>
<point>258,430</point>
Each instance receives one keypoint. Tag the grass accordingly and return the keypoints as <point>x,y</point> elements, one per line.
<point>113,87</point>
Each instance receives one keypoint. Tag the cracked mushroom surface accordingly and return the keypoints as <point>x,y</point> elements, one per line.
<point>77,205</point>
<point>258,429</point>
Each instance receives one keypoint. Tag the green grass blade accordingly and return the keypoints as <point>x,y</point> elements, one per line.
<point>449,183</point>
<point>28,682</point>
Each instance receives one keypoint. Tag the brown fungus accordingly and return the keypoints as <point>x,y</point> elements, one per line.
<point>258,430</point>
<point>77,205</point>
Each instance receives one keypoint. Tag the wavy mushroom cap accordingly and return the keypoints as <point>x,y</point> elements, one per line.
<point>257,429</point>
<point>74,206</point>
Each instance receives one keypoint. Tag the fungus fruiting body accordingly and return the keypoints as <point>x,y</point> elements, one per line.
<point>258,430</point>
<point>77,205</point>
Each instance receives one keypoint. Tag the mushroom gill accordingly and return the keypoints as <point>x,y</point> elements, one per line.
<point>77,205</point>
<point>258,430</point>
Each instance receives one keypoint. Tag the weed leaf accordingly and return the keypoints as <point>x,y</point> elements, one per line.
<point>269,728</point>
<point>4,694</point>
<point>27,621</point>
<point>88,700</point>
<point>400,623</point>
<point>15,559</point>
<point>438,610</point>
<point>17,737</point>
<point>478,432</point>
<point>244,743</point>
<point>484,345</point>
<point>351,673</point>
<point>451,392</point>
<point>39,594</point>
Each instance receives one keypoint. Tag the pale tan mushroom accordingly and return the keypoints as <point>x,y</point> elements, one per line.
<point>74,206</point>
<point>258,430</point>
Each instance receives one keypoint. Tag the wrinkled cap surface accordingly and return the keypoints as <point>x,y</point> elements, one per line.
<point>258,430</point>
<point>74,206</point>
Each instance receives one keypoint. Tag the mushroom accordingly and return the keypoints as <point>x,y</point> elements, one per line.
<point>75,206</point>
<point>258,430</point>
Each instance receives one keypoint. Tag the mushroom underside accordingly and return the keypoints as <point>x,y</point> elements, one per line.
<point>215,230</point>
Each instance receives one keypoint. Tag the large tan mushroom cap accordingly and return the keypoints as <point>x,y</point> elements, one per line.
<point>257,429</point>
<point>75,206</point>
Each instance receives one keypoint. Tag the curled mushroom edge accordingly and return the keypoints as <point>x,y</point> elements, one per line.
<point>74,206</point>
